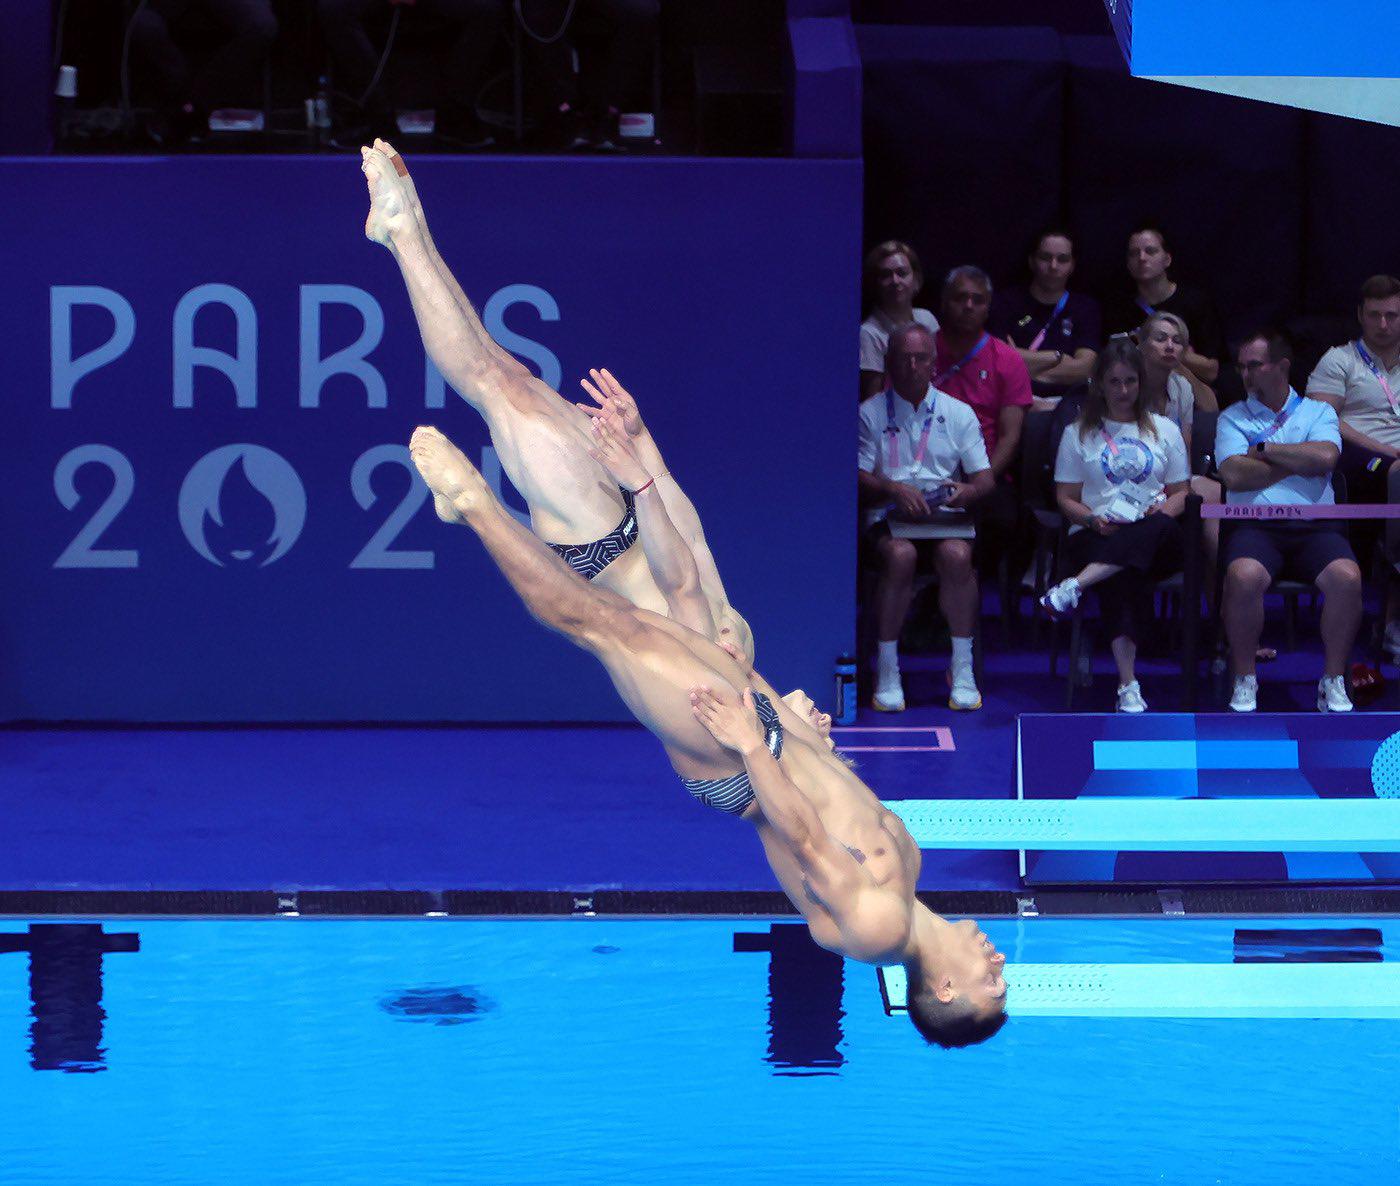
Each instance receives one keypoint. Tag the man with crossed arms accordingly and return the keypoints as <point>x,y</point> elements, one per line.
<point>1276,448</point>
<point>722,733</point>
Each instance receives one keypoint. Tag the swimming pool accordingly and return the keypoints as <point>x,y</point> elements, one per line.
<point>643,1050</point>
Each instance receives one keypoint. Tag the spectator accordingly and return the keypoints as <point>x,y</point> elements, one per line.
<point>1174,392</point>
<point>1276,448</point>
<point>988,375</point>
<point>893,277</point>
<point>473,26</point>
<point>582,111</point>
<point>920,449</point>
<point>1121,476</point>
<point>184,98</point>
<point>1156,292</point>
<point>1169,388</point>
<point>1055,331</point>
<point>1361,382</point>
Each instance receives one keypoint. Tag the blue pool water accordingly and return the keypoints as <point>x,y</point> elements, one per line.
<point>641,1051</point>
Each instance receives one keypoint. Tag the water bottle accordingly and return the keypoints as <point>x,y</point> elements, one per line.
<point>65,95</point>
<point>321,108</point>
<point>845,713</point>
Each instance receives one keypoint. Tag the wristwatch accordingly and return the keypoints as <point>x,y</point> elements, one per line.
<point>1259,447</point>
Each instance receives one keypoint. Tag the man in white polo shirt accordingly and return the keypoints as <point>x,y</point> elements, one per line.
<point>920,450</point>
<point>1361,380</point>
<point>1276,448</point>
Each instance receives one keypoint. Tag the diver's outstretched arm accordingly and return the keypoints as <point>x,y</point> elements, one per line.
<point>672,563</point>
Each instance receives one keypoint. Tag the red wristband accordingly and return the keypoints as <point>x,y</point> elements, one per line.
<point>639,489</point>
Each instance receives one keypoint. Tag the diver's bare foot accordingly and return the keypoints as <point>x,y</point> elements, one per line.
<point>406,181</point>
<point>458,488</point>
<point>401,168</point>
<point>389,212</point>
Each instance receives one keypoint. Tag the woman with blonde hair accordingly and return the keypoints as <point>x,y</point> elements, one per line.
<point>1169,388</point>
<point>1121,478</point>
<point>892,277</point>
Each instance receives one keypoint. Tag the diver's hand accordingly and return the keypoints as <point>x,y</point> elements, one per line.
<point>613,449</point>
<point>734,725</point>
<point>612,399</point>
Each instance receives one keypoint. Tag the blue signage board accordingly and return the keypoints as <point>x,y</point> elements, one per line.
<point>210,514</point>
<point>1257,38</point>
<point>1209,756</point>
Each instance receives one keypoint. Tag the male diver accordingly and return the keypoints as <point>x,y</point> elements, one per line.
<point>846,863</point>
<point>736,746</point>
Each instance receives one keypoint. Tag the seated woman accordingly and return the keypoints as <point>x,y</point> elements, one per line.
<point>1169,388</point>
<point>1121,480</point>
<point>892,278</point>
<point>1153,291</point>
<point>1055,331</point>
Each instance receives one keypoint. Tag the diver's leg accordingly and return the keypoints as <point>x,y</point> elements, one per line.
<point>542,442</point>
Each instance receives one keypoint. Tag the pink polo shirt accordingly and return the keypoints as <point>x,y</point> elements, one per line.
<point>995,379</point>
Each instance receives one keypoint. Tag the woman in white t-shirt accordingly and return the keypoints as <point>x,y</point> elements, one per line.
<point>1121,478</point>
<point>893,277</point>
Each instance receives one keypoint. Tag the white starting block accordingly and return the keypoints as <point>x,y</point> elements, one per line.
<point>1155,825</point>
<point>1188,990</point>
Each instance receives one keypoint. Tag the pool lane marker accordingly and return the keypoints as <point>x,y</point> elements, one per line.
<point>1187,990</point>
<point>1154,825</point>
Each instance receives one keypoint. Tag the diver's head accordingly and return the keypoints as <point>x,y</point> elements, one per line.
<point>957,993</point>
<point>802,705</point>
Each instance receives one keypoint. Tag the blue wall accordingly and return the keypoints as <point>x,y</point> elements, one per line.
<point>723,293</point>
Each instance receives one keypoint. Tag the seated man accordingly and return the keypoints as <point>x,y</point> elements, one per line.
<point>473,26</point>
<point>1154,291</point>
<point>1361,381</point>
<point>582,109</point>
<point>989,376</point>
<point>1056,332</point>
<point>920,451</point>
<point>1276,448</point>
<point>184,98</point>
<point>847,864</point>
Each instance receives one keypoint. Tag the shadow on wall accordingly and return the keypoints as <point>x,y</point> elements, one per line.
<point>976,137</point>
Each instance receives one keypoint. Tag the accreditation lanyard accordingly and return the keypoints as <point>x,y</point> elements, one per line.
<point>1109,441</point>
<point>1150,310</point>
<point>1278,421</point>
<point>1054,317</point>
<point>963,361</point>
<point>892,434</point>
<point>1376,369</point>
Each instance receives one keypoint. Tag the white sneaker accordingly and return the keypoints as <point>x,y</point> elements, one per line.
<point>1245,697</point>
<point>1130,698</point>
<point>964,696</point>
<point>1332,694</point>
<point>1060,599</point>
<point>889,692</point>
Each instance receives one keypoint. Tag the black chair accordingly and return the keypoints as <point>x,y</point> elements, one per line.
<point>1203,425</point>
<point>1040,441</point>
<point>925,577</point>
<point>517,35</point>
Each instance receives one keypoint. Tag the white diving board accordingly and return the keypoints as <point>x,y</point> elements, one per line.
<point>1190,990</point>
<point>1156,825</point>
